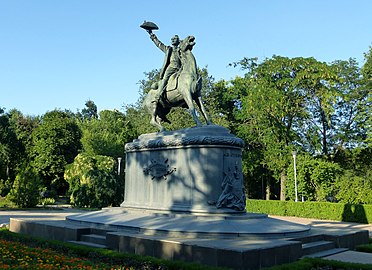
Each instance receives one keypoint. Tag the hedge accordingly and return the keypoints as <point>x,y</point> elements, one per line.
<point>360,213</point>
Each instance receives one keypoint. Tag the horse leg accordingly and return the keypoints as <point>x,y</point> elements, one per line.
<point>155,120</point>
<point>200,104</point>
<point>190,104</point>
<point>159,120</point>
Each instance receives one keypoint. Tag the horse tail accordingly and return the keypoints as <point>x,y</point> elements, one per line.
<point>197,86</point>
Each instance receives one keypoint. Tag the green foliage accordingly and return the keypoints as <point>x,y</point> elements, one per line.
<point>25,192</point>
<point>354,188</point>
<point>93,181</point>
<point>47,201</point>
<point>319,210</point>
<point>106,135</point>
<point>315,178</point>
<point>365,248</point>
<point>5,187</point>
<point>355,184</point>
<point>273,106</point>
<point>6,203</point>
<point>56,143</point>
<point>10,148</point>
<point>90,112</point>
<point>367,69</point>
<point>351,109</point>
<point>139,119</point>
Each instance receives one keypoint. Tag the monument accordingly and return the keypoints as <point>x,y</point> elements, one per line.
<point>184,188</point>
<point>194,170</point>
<point>184,197</point>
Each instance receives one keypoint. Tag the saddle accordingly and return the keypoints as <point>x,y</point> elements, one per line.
<point>172,82</point>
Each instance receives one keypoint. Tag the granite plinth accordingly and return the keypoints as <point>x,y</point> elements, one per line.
<point>249,225</point>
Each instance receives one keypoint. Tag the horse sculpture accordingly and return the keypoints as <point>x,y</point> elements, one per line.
<point>183,88</point>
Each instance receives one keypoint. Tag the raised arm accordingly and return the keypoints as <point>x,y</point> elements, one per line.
<point>158,43</point>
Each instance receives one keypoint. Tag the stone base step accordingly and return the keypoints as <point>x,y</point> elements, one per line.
<point>326,253</point>
<point>317,246</point>
<point>88,244</point>
<point>94,238</point>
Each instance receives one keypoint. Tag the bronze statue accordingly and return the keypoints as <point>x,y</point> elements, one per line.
<point>180,82</point>
<point>172,61</point>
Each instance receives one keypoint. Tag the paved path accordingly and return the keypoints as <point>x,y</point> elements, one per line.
<point>60,213</point>
<point>328,223</point>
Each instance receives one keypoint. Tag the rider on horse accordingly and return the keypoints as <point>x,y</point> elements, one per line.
<point>172,61</point>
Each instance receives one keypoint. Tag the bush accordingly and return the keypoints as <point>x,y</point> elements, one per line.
<point>315,179</point>
<point>93,182</point>
<point>354,188</point>
<point>359,213</point>
<point>26,188</point>
<point>5,187</point>
<point>47,201</point>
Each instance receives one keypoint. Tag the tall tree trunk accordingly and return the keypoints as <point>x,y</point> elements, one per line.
<point>7,171</point>
<point>268,191</point>
<point>283,178</point>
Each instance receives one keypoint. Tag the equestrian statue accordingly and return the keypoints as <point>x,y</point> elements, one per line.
<point>179,85</point>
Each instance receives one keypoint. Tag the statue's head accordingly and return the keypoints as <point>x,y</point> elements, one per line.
<point>175,40</point>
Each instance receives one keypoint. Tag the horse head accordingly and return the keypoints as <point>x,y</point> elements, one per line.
<point>187,43</point>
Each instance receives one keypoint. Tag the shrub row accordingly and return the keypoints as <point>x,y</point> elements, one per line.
<point>360,213</point>
<point>318,263</point>
<point>126,260</point>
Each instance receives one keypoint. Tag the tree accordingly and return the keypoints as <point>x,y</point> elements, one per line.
<point>316,178</point>
<point>23,127</point>
<point>213,95</point>
<point>367,85</point>
<point>90,112</point>
<point>351,108</point>
<point>287,104</point>
<point>270,108</point>
<point>107,135</point>
<point>93,181</point>
<point>355,184</point>
<point>26,188</point>
<point>56,142</point>
<point>10,148</point>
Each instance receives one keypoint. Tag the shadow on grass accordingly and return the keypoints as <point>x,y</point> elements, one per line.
<point>354,213</point>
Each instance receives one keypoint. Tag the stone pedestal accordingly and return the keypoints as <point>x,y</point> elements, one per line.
<point>195,170</point>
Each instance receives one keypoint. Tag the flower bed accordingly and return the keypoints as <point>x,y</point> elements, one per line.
<point>19,256</point>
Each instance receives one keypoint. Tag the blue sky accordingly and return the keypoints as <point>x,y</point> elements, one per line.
<point>58,54</point>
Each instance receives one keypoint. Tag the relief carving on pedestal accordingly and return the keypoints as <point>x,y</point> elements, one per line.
<point>159,169</point>
<point>232,195</point>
